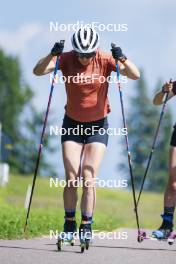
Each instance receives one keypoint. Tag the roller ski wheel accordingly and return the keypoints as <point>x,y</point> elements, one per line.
<point>87,245</point>
<point>171,238</point>
<point>85,236</point>
<point>65,242</point>
<point>59,244</point>
<point>72,243</point>
<point>141,236</point>
<point>67,237</point>
<point>82,247</point>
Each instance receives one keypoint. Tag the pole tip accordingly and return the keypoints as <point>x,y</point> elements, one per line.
<point>25,232</point>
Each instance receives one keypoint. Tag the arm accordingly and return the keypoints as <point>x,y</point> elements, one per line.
<point>129,69</point>
<point>47,64</point>
<point>44,66</point>
<point>160,96</point>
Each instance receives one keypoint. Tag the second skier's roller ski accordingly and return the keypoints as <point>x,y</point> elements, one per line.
<point>163,233</point>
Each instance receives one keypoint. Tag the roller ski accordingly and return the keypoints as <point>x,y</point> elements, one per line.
<point>165,230</point>
<point>85,236</point>
<point>67,237</point>
<point>159,235</point>
<point>164,233</point>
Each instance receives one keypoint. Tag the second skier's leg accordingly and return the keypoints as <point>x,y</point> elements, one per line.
<point>169,199</point>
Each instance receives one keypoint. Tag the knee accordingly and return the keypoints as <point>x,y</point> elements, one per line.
<point>88,181</point>
<point>88,172</point>
<point>71,181</point>
<point>172,184</point>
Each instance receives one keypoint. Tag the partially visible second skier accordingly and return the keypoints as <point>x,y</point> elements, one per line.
<point>166,227</point>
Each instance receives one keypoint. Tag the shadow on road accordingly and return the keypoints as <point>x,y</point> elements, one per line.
<point>28,248</point>
<point>134,248</point>
<point>93,246</point>
<point>39,249</point>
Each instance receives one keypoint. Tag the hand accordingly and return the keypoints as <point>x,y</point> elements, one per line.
<point>58,48</point>
<point>167,87</point>
<point>118,54</point>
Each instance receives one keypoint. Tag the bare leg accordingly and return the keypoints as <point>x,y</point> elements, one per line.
<point>93,154</point>
<point>72,153</point>
<point>169,199</point>
<point>170,193</point>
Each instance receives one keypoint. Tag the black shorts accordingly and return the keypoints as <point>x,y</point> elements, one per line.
<point>85,132</point>
<point>173,137</point>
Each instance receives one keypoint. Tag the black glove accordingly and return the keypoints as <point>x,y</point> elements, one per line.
<point>117,54</point>
<point>58,48</point>
<point>174,87</point>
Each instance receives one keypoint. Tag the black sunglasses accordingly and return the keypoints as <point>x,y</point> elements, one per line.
<point>86,55</point>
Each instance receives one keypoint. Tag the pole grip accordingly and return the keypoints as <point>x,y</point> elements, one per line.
<point>113,45</point>
<point>62,41</point>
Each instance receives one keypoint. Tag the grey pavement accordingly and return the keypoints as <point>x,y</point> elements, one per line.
<point>126,251</point>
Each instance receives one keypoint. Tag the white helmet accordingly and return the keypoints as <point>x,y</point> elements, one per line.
<point>85,40</point>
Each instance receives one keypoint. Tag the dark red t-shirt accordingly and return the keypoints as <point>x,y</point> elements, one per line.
<point>87,98</point>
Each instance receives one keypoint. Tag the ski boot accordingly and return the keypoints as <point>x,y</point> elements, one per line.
<point>67,237</point>
<point>85,236</point>
<point>164,230</point>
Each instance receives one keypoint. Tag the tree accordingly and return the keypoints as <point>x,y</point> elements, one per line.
<point>15,101</point>
<point>28,149</point>
<point>15,94</point>
<point>142,120</point>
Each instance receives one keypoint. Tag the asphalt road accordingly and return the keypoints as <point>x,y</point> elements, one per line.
<point>123,251</point>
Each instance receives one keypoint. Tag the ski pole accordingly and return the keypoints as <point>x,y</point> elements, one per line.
<point>41,141</point>
<point>153,145</point>
<point>127,146</point>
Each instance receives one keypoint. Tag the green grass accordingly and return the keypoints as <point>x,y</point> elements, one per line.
<point>114,209</point>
